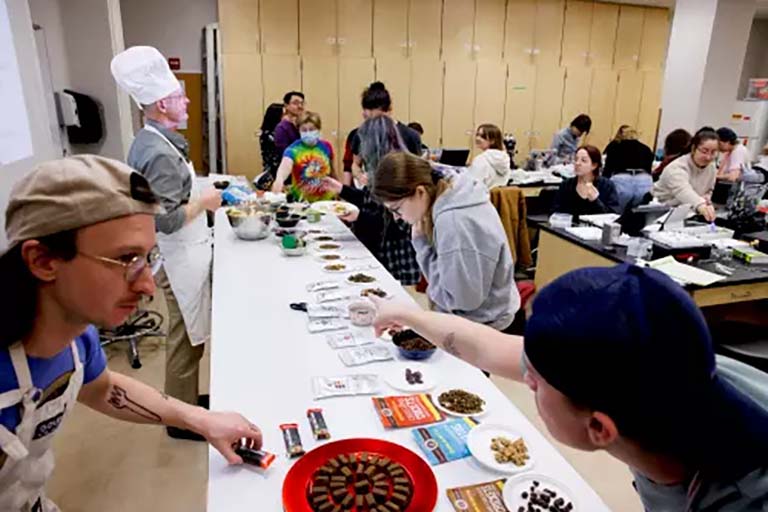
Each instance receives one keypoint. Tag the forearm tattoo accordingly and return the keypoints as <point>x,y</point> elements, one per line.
<point>118,399</point>
<point>450,345</point>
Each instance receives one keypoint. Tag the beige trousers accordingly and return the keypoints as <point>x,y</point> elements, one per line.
<point>182,360</point>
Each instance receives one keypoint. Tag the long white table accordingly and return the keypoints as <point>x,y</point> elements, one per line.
<point>262,359</point>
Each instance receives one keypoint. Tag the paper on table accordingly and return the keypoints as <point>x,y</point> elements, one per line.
<point>586,233</point>
<point>684,273</point>
<point>600,219</point>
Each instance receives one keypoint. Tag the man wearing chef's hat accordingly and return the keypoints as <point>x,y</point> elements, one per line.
<point>160,153</point>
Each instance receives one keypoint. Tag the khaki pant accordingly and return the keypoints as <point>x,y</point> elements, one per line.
<point>182,360</point>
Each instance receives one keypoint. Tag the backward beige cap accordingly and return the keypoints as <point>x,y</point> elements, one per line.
<point>72,193</point>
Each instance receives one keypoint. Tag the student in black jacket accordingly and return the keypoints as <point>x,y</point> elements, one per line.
<point>587,193</point>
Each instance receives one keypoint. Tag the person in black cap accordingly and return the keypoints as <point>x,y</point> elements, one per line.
<point>621,360</point>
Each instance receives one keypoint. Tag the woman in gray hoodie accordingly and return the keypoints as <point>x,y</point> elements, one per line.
<point>460,244</point>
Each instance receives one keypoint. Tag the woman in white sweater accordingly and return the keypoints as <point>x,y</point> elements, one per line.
<point>491,167</point>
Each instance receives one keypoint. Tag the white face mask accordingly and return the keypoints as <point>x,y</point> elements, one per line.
<point>310,138</point>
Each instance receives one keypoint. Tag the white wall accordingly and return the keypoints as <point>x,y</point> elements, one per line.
<point>756,59</point>
<point>174,27</point>
<point>24,41</point>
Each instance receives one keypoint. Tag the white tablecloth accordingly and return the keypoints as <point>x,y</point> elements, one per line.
<point>262,359</point>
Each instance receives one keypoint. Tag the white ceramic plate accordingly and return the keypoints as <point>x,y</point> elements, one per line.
<point>437,393</point>
<point>517,485</point>
<point>395,377</point>
<point>341,271</point>
<point>479,444</point>
<point>321,239</point>
<point>338,208</point>
<point>327,246</point>
<point>368,284</point>
<point>322,257</point>
<point>388,295</point>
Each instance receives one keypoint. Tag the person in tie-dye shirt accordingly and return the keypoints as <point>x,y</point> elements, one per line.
<point>308,161</point>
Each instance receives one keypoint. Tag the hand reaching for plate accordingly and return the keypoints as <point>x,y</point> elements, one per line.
<point>350,217</point>
<point>332,185</point>
<point>389,315</point>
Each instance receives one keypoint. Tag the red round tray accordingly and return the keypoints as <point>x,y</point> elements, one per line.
<point>299,478</point>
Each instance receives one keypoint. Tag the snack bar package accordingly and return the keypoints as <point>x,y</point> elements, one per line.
<point>292,440</point>
<point>407,411</point>
<point>486,497</point>
<point>445,442</point>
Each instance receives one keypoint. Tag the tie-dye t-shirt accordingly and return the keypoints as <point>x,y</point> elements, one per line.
<point>310,165</point>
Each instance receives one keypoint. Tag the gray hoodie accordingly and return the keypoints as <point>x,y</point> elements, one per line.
<point>469,267</point>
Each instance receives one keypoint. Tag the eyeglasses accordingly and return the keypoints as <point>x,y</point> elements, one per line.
<point>707,152</point>
<point>136,265</point>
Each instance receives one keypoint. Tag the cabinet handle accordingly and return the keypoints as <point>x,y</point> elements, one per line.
<point>342,40</point>
<point>741,295</point>
<point>331,40</point>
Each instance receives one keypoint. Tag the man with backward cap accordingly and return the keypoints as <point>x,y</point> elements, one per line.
<point>82,253</point>
<point>160,154</point>
<point>620,359</point>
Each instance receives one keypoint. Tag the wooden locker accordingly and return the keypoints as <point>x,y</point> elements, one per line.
<point>549,31</point>
<point>239,22</point>
<point>318,31</point>
<point>602,102</point>
<point>390,28</point>
<point>650,106</point>
<point>520,28</point>
<point>395,72</point>
<point>282,73</point>
<point>518,111</point>
<point>548,100</point>
<point>628,93</point>
<point>459,103</point>
<point>280,27</point>
<point>602,40</point>
<point>489,29</point>
<point>578,83</point>
<point>576,33</point>
<point>490,92</point>
<point>458,29</point>
<point>628,37</point>
<point>426,98</point>
<point>425,28</point>
<point>355,32</point>
<point>355,74</point>
<point>243,112</point>
<point>320,81</point>
<point>653,48</point>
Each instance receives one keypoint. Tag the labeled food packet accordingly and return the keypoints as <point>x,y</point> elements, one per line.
<point>317,422</point>
<point>316,311</point>
<point>363,355</point>
<point>445,442</point>
<point>485,497</point>
<point>333,296</point>
<point>346,340</point>
<point>292,440</point>
<point>257,458</point>
<point>325,324</point>
<point>319,286</point>
<point>406,411</point>
<point>345,385</point>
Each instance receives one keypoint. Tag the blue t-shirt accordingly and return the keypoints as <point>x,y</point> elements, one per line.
<point>52,374</point>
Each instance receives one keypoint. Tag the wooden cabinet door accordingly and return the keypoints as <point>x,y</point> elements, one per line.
<point>282,73</point>
<point>578,83</point>
<point>243,112</point>
<point>628,37</point>
<point>239,23</point>
<point>395,72</point>
<point>602,102</point>
<point>576,32</point>
<point>650,106</point>
<point>520,29</point>
<point>489,29</point>
<point>602,39</point>
<point>355,75</point>
<point>628,94</point>
<point>426,98</point>
<point>459,103</point>
<point>549,31</point>
<point>518,111</point>
<point>280,27</point>
<point>458,28</point>
<point>548,100</point>
<point>355,33</point>
<point>653,48</point>
<point>318,34</point>
<point>490,92</point>
<point>320,81</point>
<point>390,28</point>
<point>424,28</point>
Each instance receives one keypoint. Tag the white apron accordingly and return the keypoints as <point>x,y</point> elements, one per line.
<point>188,255</point>
<point>29,460</point>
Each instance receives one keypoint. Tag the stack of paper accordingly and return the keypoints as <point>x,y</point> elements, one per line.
<point>684,274</point>
<point>600,219</point>
<point>586,233</point>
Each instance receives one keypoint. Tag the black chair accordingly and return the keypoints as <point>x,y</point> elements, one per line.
<point>744,342</point>
<point>143,323</point>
